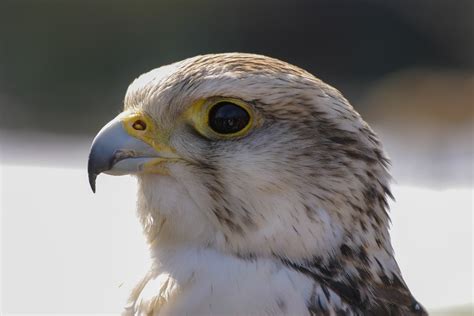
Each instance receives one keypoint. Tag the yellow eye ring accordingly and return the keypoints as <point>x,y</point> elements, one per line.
<point>222,118</point>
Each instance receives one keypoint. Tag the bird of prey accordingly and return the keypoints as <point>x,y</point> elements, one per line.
<point>261,191</point>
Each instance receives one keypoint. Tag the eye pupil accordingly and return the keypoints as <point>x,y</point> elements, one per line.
<point>228,118</point>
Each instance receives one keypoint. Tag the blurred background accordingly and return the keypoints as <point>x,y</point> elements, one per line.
<point>407,66</point>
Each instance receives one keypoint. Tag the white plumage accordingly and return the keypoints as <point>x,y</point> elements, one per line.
<point>261,191</point>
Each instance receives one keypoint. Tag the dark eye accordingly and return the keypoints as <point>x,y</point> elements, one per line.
<point>228,118</point>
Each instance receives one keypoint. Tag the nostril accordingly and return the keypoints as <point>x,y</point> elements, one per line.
<point>139,125</point>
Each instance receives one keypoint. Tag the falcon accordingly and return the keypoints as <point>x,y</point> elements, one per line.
<point>261,191</point>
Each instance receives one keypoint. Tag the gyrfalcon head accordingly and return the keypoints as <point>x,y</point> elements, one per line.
<point>254,157</point>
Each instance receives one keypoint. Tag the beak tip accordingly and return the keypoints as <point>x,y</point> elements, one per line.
<point>92,178</point>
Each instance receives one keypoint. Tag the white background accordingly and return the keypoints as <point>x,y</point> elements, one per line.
<point>66,250</point>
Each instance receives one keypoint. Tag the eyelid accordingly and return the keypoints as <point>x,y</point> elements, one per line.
<point>198,115</point>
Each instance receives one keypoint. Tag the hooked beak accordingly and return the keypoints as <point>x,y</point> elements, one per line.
<point>127,145</point>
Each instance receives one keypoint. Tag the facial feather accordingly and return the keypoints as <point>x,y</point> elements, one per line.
<point>312,146</point>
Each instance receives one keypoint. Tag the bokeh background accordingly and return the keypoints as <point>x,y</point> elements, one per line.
<point>407,66</point>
